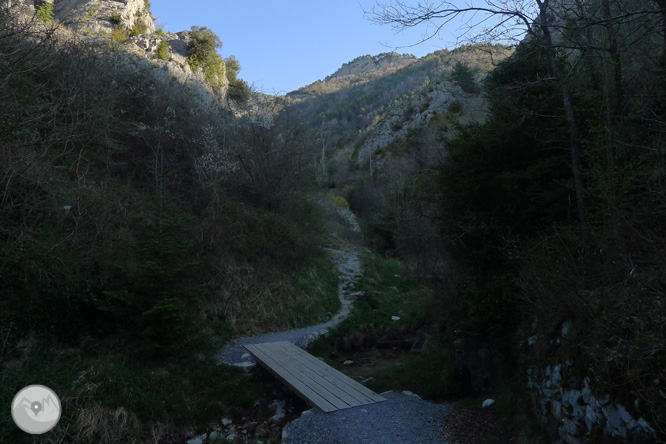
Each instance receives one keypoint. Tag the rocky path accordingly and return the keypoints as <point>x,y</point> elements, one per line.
<point>401,419</point>
<point>349,267</point>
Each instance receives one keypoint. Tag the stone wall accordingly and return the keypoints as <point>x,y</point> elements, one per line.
<point>575,412</point>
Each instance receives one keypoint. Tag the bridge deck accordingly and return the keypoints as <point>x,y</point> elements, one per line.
<point>319,384</point>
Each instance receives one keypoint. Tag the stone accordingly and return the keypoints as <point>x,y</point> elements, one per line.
<point>570,426</point>
<point>556,409</point>
<point>198,439</point>
<point>249,426</point>
<point>262,431</point>
<point>395,318</point>
<point>348,362</point>
<point>245,366</point>
<point>214,435</point>
<point>279,410</point>
<point>624,414</point>
<point>231,436</point>
<point>566,327</point>
<point>419,342</point>
<point>412,394</point>
<point>613,417</point>
<point>487,403</point>
<point>587,395</point>
<point>226,422</point>
<point>591,417</point>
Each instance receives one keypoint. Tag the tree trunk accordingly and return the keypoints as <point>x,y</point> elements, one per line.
<point>617,99</point>
<point>662,6</point>
<point>567,98</point>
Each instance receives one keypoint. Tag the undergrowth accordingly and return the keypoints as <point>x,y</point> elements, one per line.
<point>110,397</point>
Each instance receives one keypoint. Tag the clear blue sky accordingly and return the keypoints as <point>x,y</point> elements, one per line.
<point>285,44</point>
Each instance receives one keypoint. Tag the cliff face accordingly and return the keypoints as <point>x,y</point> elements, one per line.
<point>374,101</point>
<point>98,19</point>
<point>368,63</point>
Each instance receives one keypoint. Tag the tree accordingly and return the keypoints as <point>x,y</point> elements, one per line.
<point>547,22</point>
<point>463,76</point>
<point>202,49</point>
<point>239,90</point>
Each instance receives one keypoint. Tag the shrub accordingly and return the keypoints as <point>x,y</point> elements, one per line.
<point>116,18</point>
<point>202,49</point>
<point>160,32</point>
<point>456,107</point>
<point>341,201</point>
<point>239,90</point>
<point>45,12</point>
<point>138,28</point>
<point>163,50</point>
<point>119,35</point>
<point>463,76</point>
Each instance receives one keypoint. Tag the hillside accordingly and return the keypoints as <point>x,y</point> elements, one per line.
<point>373,100</point>
<point>479,225</point>
<point>133,240</point>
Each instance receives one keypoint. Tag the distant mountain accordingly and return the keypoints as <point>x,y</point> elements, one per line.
<point>372,100</point>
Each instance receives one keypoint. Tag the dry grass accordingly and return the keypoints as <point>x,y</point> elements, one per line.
<point>98,424</point>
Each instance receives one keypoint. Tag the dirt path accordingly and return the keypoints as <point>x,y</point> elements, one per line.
<point>349,267</point>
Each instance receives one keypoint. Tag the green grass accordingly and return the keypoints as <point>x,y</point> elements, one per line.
<point>114,399</point>
<point>388,293</point>
<point>288,301</point>
<point>430,375</point>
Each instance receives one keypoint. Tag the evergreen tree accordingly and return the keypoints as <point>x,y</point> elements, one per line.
<point>463,76</point>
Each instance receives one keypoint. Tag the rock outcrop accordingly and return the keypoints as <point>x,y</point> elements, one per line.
<point>576,410</point>
<point>368,63</point>
<point>97,20</point>
<point>99,17</point>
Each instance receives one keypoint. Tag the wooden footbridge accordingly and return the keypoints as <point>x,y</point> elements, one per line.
<point>316,382</point>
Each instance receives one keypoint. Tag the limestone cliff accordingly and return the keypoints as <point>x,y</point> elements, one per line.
<point>368,63</point>
<point>97,20</point>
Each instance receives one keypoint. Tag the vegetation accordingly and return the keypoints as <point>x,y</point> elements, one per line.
<point>202,49</point>
<point>45,12</point>
<point>163,50</point>
<point>463,76</point>
<point>116,18</point>
<point>551,207</point>
<point>119,35</point>
<point>239,90</point>
<point>131,234</point>
<point>138,28</point>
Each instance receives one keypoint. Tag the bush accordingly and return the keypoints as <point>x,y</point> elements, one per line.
<point>45,12</point>
<point>138,28</point>
<point>463,76</point>
<point>119,35</point>
<point>163,50</point>
<point>202,49</point>
<point>160,32</point>
<point>456,107</point>
<point>116,18</point>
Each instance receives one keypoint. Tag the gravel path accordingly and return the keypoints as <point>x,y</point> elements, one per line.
<point>402,419</point>
<point>349,267</point>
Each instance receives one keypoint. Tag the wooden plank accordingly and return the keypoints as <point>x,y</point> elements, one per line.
<point>315,381</point>
<point>328,389</point>
<point>297,372</point>
<point>333,376</point>
<point>283,374</point>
